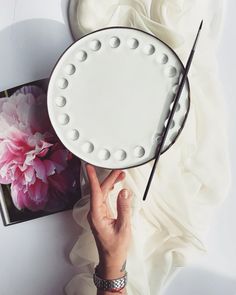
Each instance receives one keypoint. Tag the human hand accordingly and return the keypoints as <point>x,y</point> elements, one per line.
<point>112,236</point>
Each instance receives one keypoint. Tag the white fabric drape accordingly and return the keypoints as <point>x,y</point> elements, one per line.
<point>193,176</point>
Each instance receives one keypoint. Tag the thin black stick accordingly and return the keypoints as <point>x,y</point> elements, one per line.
<point>176,100</point>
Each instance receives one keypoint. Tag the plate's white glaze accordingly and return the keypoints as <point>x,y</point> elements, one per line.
<point>109,96</point>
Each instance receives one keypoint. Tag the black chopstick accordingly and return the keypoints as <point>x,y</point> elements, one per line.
<point>176,100</point>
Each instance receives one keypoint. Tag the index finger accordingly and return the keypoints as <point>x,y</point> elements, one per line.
<point>96,193</point>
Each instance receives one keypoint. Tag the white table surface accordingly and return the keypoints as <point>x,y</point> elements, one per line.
<point>34,255</point>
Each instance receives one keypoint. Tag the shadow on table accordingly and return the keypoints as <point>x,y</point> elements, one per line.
<point>72,231</point>
<point>30,49</point>
<point>196,281</point>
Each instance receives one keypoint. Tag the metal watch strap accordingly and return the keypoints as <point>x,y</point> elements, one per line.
<point>114,285</point>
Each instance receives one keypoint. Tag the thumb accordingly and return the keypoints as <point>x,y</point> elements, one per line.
<point>124,207</point>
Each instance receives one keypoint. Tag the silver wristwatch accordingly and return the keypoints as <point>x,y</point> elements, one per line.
<point>114,285</point>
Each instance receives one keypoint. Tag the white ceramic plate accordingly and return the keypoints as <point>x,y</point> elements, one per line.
<point>110,94</point>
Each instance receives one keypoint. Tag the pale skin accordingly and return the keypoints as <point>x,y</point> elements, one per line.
<point>112,236</point>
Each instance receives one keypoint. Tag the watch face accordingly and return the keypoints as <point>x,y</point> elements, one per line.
<point>110,95</point>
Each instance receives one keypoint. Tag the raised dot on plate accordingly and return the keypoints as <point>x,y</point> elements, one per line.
<point>114,42</point>
<point>104,154</point>
<point>73,134</point>
<point>60,101</point>
<point>162,58</point>
<point>70,69</point>
<point>177,107</point>
<point>120,155</point>
<point>133,43</point>
<point>81,55</point>
<point>172,124</point>
<point>156,137</point>
<point>172,98</point>
<point>171,71</point>
<point>62,83</point>
<point>149,49</point>
<point>95,45</point>
<point>171,106</point>
<point>168,111</point>
<point>175,88</point>
<point>88,147</point>
<point>63,119</point>
<point>139,151</point>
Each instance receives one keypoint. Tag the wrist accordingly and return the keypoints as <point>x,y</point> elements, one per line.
<point>114,260</point>
<point>111,270</point>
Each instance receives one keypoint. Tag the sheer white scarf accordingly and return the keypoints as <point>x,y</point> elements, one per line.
<point>193,176</point>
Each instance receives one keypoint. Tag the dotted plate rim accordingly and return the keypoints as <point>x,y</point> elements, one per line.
<point>187,85</point>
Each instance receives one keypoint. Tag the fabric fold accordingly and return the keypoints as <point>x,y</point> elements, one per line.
<point>193,176</point>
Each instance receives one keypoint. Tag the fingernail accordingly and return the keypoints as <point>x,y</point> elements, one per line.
<point>125,194</point>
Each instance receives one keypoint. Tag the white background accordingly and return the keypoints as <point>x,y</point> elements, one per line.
<point>34,255</point>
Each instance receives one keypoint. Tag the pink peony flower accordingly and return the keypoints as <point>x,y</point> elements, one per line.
<point>41,171</point>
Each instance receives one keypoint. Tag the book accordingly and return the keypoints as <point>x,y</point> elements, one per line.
<point>9,212</point>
